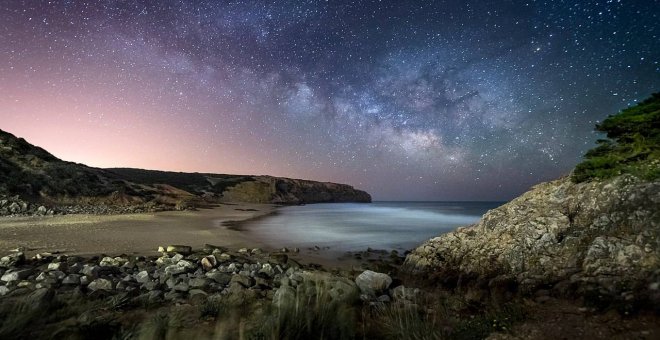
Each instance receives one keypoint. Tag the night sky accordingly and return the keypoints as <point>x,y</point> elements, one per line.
<point>409,100</point>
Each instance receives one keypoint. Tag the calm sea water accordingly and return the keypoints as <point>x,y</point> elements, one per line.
<point>380,225</point>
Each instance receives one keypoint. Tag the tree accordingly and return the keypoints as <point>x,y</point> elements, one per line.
<point>632,144</point>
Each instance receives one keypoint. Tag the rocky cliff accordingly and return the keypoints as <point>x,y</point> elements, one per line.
<point>33,181</point>
<point>266,189</point>
<point>599,238</point>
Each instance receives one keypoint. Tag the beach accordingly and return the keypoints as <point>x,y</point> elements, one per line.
<point>132,234</point>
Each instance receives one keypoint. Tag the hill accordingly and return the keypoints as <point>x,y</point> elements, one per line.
<point>34,181</point>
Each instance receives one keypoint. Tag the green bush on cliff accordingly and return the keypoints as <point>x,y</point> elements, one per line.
<point>632,145</point>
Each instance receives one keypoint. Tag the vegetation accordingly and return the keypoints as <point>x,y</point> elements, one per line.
<point>632,145</point>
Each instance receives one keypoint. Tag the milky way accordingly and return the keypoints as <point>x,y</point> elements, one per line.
<point>409,100</point>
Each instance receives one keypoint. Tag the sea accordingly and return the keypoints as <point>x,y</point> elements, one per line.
<point>344,227</point>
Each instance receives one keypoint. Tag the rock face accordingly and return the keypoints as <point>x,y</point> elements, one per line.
<point>573,238</point>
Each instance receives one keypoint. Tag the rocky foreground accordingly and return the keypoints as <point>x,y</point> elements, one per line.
<point>598,240</point>
<point>56,283</point>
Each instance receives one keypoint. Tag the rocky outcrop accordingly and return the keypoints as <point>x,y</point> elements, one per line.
<point>266,189</point>
<point>601,237</point>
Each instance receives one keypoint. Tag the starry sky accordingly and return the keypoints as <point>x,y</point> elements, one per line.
<point>409,100</point>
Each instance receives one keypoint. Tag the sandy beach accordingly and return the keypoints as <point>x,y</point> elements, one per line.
<point>134,234</point>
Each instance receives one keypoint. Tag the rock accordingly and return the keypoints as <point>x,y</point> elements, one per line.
<point>183,250</point>
<point>209,262</point>
<point>12,260</point>
<point>74,268</point>
<point>186,264</point>
<point>209,248</point>
<point>246,281</point>
<point>176,258</point>
<point>112,262</point>
<point>16,275</point>
<point>172,295</point>
<point>142,277</point>
<point>181,287</point>
<point>151,285</point>
<point>71,280</point>
<point>589,236</point>
<point>198,283</point>
<point>42,210</point>
<point>224,257</point>
<point>243,251</point>
<point>90,270</point>
<point>267,269</point>
<point>174,269</point>
<point>221,278</point>
<point>57,266</point>
<point>256,251</point>
<point>235,288</point>
<point>57,274</point>
<point>279,258</point>
<point>100,284</point>
<point>233,267</point>
<point>373,283</point>
<point>4,290</point>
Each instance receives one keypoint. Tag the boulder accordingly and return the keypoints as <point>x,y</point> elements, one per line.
<point>373,283</point>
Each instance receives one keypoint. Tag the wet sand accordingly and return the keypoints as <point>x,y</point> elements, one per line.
<point>134,234</point>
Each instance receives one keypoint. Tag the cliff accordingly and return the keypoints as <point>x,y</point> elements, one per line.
<point>33,181</point>
<point>266,189</point>
<point>598,238</point>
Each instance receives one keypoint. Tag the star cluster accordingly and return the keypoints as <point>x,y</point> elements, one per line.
<point>409,100</point>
